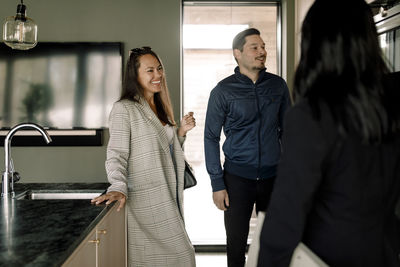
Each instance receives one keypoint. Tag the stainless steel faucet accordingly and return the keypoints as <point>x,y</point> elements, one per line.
<point>7,178</point>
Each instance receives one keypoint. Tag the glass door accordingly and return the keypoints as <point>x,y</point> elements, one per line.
<point>390,44</point>
<point>388,27</point>
<point>208,31</point>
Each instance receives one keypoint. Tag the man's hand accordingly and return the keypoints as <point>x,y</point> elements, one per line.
<point>221,199</point>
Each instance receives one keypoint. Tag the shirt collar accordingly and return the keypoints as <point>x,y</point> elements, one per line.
<point>242,77</point>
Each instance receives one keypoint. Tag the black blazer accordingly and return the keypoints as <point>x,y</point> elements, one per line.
<point>336,195</point>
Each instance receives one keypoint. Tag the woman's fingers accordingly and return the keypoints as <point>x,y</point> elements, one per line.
<point>98,199</point>
<point>109,198</point>
<point>121,204</point>
<point>189,119</point>
<point>188,122</point>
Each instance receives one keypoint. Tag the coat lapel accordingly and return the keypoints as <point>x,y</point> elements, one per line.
<point>153,120</point>
<point>155,123</point>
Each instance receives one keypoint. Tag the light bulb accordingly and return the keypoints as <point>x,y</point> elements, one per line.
<point>20,32</point>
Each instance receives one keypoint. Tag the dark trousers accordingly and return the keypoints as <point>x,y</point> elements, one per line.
<point>243,194</point>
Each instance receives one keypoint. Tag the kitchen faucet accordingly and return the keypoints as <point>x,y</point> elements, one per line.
<point>7,178</point>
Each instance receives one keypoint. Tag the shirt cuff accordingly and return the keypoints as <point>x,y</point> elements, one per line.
<point>217,184</point>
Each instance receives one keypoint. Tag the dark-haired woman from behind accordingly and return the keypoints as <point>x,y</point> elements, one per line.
<point>339,178</point>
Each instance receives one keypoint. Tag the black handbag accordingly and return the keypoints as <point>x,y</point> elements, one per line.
<point>189,179</point>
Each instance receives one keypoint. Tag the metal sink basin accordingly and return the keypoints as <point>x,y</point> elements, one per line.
<point>59,194</point>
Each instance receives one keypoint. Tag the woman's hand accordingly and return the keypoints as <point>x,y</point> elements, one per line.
<point>111,197</point>
<point>188,122</point>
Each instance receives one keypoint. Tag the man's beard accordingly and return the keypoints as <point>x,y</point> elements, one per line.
<point>259,67</point>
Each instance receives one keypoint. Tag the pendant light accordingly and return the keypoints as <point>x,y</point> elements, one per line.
<point>20,32</point>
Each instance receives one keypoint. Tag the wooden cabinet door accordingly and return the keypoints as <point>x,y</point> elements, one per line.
<point>112,239</point>
<point>85,254</point>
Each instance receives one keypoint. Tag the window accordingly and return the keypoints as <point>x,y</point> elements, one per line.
<point>208,31</point>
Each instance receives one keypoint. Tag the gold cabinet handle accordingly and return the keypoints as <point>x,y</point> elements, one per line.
<point>96,241</point>
<point>104,231</point>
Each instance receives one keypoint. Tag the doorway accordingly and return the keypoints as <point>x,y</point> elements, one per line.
<point>208,31</point>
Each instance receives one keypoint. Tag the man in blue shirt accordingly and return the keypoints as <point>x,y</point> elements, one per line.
<point>249,106</point>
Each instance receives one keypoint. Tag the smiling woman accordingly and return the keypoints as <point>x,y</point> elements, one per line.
<point>145,165</point>
<point>150,74</point>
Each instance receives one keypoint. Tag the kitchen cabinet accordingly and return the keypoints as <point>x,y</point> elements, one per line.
<point>111,233</point>
<point>85,254</point>
<point>105,245</point>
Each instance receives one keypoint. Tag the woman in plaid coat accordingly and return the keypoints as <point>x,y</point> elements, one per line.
<point>145,165</point>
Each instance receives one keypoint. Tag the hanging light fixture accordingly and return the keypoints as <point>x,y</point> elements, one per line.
<point>20,32</point>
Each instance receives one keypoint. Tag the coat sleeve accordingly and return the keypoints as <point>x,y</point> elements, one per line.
<point>118,149</point>
<point>181,139</point>
<point>215,118</point>
<point>299,176</point>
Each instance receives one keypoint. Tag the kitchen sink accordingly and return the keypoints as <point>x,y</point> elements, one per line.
<point>59,194</point>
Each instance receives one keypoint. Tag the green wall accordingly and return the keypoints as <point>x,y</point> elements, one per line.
<point>136,23</point>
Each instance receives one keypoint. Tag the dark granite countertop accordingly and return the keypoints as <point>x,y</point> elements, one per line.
<point>45,232</point>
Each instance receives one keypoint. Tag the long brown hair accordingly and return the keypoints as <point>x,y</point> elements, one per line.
<point>132,90</point>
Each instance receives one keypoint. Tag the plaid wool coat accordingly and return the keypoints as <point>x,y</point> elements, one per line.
<point>139,165</point>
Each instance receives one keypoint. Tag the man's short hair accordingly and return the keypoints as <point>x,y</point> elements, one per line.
<point>240,38</point>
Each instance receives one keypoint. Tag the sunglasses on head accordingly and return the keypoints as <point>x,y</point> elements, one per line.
<point>140,50</point>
